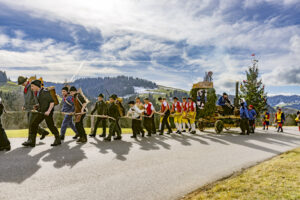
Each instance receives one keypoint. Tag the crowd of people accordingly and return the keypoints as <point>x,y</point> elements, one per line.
<point>39,104</point>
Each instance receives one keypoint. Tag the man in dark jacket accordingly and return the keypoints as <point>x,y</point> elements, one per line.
<point>114,113</point>
<point>45,109</point>
<point>101,109</point>
<point>4,142</point>
<point>29,102</point>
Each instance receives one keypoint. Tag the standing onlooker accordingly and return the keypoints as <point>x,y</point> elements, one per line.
<point>252,117</point>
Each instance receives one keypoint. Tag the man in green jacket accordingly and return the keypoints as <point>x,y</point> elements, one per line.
<point>101,109</point>
<point>114,114</point>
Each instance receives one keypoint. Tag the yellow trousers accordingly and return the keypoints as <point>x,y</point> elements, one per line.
<point>177,118</point>
<point>185,121</point>
<point>192,117</point>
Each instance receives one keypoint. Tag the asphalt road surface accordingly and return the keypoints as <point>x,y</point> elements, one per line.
<point>160,167</point>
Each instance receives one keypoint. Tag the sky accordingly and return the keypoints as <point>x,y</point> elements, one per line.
<point>170,42</point>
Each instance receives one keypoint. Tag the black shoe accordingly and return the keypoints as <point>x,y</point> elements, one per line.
<point>179,132</point>
<point>139,133</point>
<point>6,148</point>
<point>133,136</point>
<point>184,131</point>
<point>143,134</point>
<point>102,135</point>
<point>44,134</point>
<point>62,137</point>
<point>248,133</point>
<point>92,135</point>
<point>193,132</point>
<point>242,133</point>
<point>28,144</point>
<point>118,138</point>
<point>153,132</point>
<point>56,142</point>
<point>149,134</point>
<point>169,132</point>
<point>81,140</point>
<point>281,130</point>
<point>75,137</point>
<point>190,129</point>
<point>161,134</point>
<point>107,139</point>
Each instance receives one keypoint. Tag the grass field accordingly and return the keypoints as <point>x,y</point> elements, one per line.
<point>278,178</point>
<point>10,87</point>
<point>23,133</point>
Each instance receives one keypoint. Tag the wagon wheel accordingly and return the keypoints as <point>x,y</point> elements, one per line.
<point>219,125</point>
<point>201,126</point>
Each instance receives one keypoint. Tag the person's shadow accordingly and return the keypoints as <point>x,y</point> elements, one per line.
<point>17,165</point>
<point>121,148</point>
<point>65,155</point>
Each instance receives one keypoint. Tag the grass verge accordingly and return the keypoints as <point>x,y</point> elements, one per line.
<point>278,178</point>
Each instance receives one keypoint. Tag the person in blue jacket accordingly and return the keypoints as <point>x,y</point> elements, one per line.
<point>67,107</point>
<point>226,104</point>
<point>244,115</point>
<point>252,117</point>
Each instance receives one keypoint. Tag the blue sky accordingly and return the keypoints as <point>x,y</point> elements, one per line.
<point>170,42</point>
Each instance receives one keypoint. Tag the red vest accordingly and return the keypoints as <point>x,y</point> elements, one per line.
<point>148,109</point>
<point>184,106</point>
<point>177,106</point>
<point>191,107</point>
<point>163,107</point>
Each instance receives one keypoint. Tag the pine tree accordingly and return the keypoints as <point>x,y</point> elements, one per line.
<point>253,89</point>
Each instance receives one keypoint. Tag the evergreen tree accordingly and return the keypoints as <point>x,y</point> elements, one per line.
<point>253,89</point>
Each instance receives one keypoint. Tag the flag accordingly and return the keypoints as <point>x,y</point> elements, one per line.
<point>253,54</point>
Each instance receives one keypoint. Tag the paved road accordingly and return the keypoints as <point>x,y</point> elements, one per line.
<point>161,167</point>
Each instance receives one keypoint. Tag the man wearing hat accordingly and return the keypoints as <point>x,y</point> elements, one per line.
<point>149,115</point>
<point>165,112</point>
<point>4,142</point>
<point>279,119</point>
<point>114,114</point>
<point>101,109</point>
<point>67,107</point>
<point>135,113</point>
<point>244,116</point>
<point>177,111</point>
<point>252,117</point>
<point>192,108</point>
<point>226,104</point>
<point>185,121</point>
<point>30,102</point>
<point>45,109</point>
<point>80,113</point>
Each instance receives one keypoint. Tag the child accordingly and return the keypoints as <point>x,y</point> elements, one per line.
<point>266,120</point>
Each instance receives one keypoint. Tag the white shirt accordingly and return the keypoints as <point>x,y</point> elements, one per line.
<point>135,112</point>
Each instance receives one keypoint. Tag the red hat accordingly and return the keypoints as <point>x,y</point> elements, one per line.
<point>251,106</point>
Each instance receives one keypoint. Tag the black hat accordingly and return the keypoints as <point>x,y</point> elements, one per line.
<point>159,98</point>
<point>175,98</point>
<point>190,98</point>
<point>21,80</point>
<point>114,97</point>
<point>101,95</point>
<point>37,83</point>
<point>65,88</point>
<point>131,102</point>
<point>73,89</point>
<point>146,99</point>
<point>225,93</point>
<point>183,97</point>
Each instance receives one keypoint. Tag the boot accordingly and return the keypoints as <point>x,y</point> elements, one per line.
<point>44,134</point>
<point>30,142</point>
<point>56,142</point>
<point>107,139</point>
<point>103,135</point>
<point>75,137</point>
<point>5,148</point>
<point>133,136</point>
<point>118,138</point>
<point>92,135</point>
<point>62,137</point>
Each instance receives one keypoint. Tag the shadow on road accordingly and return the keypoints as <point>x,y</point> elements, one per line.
<point>120,147</point>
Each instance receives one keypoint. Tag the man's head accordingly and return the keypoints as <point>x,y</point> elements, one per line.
<point>146,100</point>
<point>131,104</point>
<point>190,99</point>
<point>175,99</point>
<point>160,99</point>
<point>184,99</point>
<point>225,95</point>
<point>22,80</point>
<point>112,98</point>
<point>279,109</point>
<point>251,107</point>
<point>137,100</point>
<point>65,91</point>
<point>73,90</point>
<point>36,85</point>
<point>100,97</point>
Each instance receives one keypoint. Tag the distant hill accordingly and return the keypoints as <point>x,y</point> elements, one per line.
<point>290,104</point>
<point>3,78</point>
